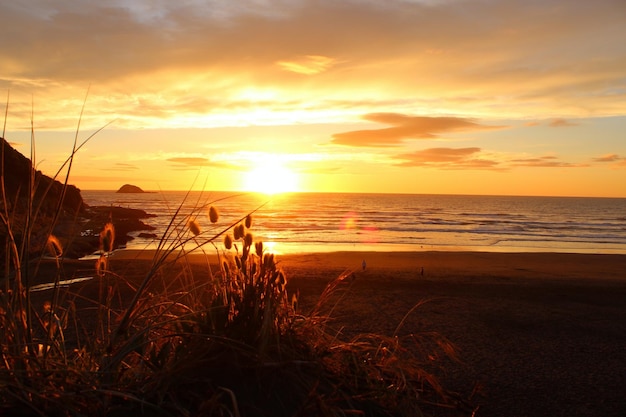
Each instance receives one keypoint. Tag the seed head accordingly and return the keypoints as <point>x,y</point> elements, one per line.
<point>107,237</point>
<point>213,214</point>
<point>194,227</point>
<point>248,239</point>
<point>54,246</point>
<point>238,231</point>
<point>248,221</point>
<point>228,242</point>
<point>259,248</point>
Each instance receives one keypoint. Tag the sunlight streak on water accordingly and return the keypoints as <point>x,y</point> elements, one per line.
<point>329,222</point>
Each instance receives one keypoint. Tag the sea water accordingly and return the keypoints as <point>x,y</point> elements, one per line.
<point>319,222</point>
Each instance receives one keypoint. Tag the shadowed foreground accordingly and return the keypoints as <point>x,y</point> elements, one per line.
<point>537,334</point>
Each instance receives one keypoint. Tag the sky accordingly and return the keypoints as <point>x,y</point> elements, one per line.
<point>504,97</point>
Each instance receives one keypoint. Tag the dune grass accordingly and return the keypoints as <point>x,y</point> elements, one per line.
<point>223,339</point>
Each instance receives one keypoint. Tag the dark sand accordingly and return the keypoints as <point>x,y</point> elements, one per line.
<point>542,334</point>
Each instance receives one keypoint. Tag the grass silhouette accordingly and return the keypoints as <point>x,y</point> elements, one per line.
<point>183,338</point>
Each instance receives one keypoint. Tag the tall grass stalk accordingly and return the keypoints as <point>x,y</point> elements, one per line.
<point>179,337</point>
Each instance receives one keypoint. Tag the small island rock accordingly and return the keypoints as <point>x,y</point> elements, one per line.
<point>127,188</point>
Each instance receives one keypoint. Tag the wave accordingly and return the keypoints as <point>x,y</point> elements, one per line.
<point>430,221</point>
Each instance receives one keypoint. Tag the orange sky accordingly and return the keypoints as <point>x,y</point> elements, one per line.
<point>414,96</point>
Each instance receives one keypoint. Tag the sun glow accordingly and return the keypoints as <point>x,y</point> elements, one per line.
<point>271,176</point>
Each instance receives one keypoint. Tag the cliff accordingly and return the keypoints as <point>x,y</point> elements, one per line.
<point>50,197</point>
<point>48,192</point>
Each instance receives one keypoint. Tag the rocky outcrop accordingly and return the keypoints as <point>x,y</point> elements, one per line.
<point>130,189</point>
<point>83,236</point>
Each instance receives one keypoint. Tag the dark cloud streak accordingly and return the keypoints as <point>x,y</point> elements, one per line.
<point>405,127</point>
<point>199,162</point>
<point>562,123</point>
<point>617,160</point>
<point>448,158</point>
<point>473,158</point>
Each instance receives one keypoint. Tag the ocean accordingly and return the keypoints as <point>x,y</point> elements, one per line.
<point>321,222</point>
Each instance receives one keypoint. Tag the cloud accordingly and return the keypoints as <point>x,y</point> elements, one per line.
<point>197,162</point>
<point>191,161</point>
<point>307,65</point>
<point>123,167</point>
<point>617,160</point>
<point>442,154</point>
<point>561,123</point>
<point>448,158</point>
<point>558,122</point>
<point>612,157</point>
<point>474,158</point>
<point>532,124</point>
<point>153,54</point>
<point>544,162</point>
<point>103,178</point>
<point>405,127</point>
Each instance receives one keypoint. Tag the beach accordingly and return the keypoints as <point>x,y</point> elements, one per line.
<point>541,334</point>
<point>536,334</point>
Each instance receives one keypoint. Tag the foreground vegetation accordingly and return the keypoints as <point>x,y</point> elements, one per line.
<point>226,339</point>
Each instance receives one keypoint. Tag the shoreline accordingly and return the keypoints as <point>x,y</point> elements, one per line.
<point>290,248</point>
<point>521,265</point>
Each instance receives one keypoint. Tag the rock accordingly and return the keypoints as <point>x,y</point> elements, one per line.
<point>86,240</point>
<point>130,189</point>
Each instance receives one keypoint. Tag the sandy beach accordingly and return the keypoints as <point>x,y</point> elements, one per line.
<point>542,334</point>
<point>538,334</point>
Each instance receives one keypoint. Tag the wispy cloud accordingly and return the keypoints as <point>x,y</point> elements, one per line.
<point>404,128</point>
<point>561,123</point>
<point>150,54</point>
<point>612,158</point>
<point>123,167</point>
<point>307,65</point>
<point>474,158</point>
<point>448,158</point>
<point>197,162</point>
<point>558,122</point>
<point>547,161</point>
<point>104,179</point>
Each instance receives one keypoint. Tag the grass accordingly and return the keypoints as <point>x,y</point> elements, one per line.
<point>223,338</point>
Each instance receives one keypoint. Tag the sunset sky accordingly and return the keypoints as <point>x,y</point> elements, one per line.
<point>520,97</point>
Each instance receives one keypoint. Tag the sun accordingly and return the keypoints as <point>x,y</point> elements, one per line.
<point>271,176</point>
